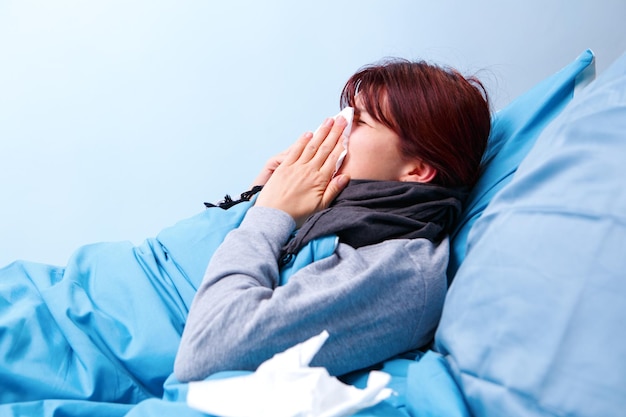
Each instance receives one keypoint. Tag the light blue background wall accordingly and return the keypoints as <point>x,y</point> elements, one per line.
<point>118,118</point>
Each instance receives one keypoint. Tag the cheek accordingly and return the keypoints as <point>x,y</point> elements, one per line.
<point>364,151</point>
<point>359,145</point>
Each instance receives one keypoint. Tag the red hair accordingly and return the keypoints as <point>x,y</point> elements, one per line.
<point>441,117</point>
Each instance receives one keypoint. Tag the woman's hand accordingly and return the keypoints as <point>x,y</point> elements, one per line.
<point>302,183</point>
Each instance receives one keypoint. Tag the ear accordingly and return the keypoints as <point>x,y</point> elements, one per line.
<point>419,171</point>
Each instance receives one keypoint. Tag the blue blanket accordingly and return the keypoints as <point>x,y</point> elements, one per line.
<point>101,333</point>
<point>98,337</point>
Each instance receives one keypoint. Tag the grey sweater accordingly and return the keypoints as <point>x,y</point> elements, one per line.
<point>376,301</point>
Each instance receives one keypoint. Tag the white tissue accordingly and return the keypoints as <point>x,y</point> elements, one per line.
<point>285,386</point>
<point>348,114</point>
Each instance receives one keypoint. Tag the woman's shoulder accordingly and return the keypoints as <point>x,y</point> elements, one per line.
<point>421,254</point>
<point>414,247</point>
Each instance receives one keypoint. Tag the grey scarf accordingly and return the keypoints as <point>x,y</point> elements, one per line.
<point>368,212</point>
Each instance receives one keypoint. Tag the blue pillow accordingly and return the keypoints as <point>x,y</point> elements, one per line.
<point>513,132</point>
<point>533,324</point>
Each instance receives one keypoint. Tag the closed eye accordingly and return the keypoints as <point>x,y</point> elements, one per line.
<point>358,120</point>
<point>359,117</point>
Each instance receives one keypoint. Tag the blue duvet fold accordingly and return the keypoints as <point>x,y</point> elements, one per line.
<point>102,331</point>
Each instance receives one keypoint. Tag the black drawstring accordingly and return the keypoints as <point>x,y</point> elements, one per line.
<point>228,202</point>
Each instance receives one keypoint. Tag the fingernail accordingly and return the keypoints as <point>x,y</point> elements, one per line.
<point>329,121</point>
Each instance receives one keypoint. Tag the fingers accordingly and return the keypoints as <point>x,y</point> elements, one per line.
<point>324,141</point>
<point>328,163</point>
<point>336,185</point>
<point>319,137</point>
<point>294,152</point>
<point>320,149</point>
<point>332,143</point>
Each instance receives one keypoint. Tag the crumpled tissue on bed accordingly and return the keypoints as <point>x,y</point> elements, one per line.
<point>285,386</point>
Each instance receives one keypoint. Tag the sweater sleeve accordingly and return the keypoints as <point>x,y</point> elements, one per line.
<point>376,301</point>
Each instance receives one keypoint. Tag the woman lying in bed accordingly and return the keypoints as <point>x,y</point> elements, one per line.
<point>361,253</point>
<point>418,136</point>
